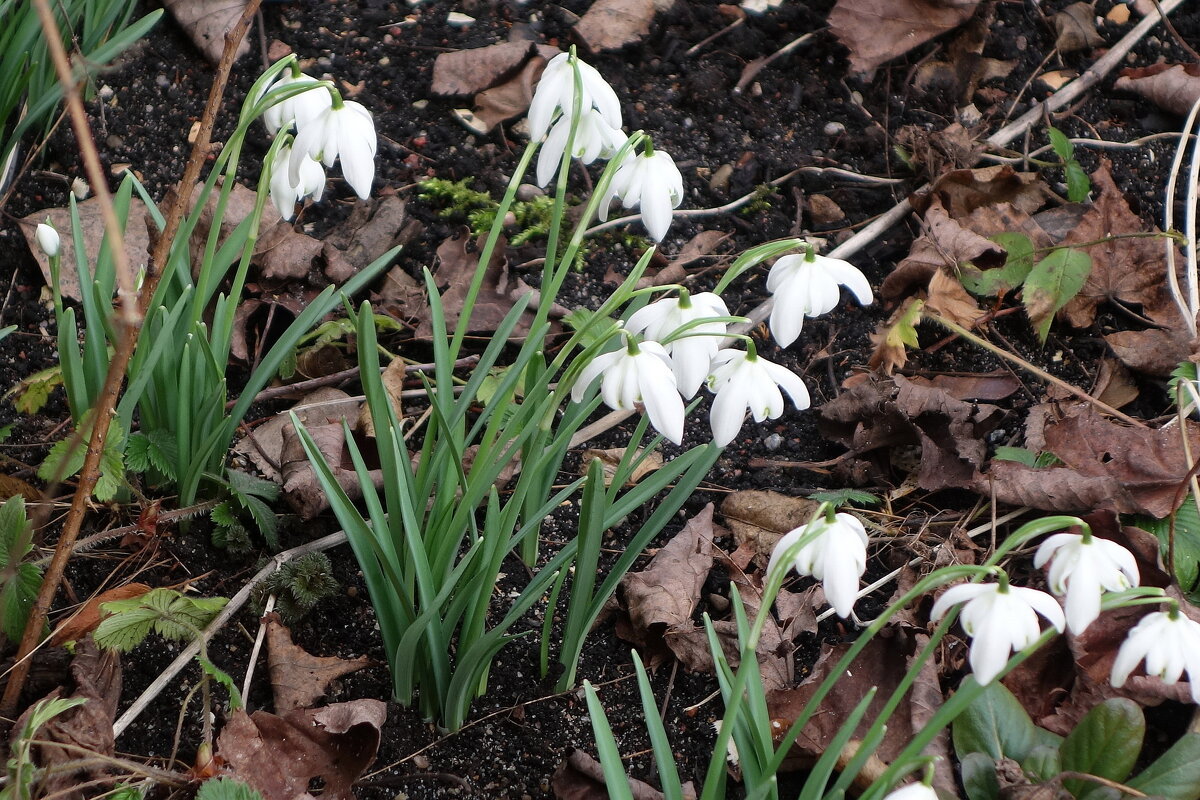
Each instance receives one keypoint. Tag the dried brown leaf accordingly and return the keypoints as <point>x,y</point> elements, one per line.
<point>298,678</point>
<point>759,518</point>
<point>612,24</point>
<point>456,268</point>
<point>580,777</point>
<point>943,246</point>
<point>471,71</point>
<point>1075,27</point>
<point>948,298</point>
<point>372,229</point>
<point>281,755</point>
<point>964,190</point>
<point>610,459</point>
<point>207,21</point>
<point>985,386</point>
<point>264,445</point>
<point>892,338</point>
<point>1124,269</point>
<point>1172,87</point>
<point>1154,351</point>
<point>876,31</point>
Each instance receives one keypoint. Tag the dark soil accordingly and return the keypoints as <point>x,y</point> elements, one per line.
<point>802,110</point>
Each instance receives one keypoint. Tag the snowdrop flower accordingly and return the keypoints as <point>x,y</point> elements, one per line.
<point>837,557</point>
<point>651,181</point>
<point>744,380</point>
<point>594,138</point>
<point>1082,568</point>
<point>637,373</point>
<point>1170,644</point>
<point>47,239</point>
<point>285,194</point>
<point>301,109</point>
<point>343,131</point>
<point>1000,619</point>
<point>806,285</point>
<point>691,355</point>
<point>912,791</point>
<point>556,92</point>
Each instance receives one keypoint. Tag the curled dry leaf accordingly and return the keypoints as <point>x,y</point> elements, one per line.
<point>612,24</point>
<point>610,459</point>
<point>137,240</point>
<point>943,246</point>
<point>1172,87</point>
<point>892,338</point>
<point>580,777</point>
<point>281,756</point>
<point>207,21</point>
<point>372,229</point>
<point>1075,26</point>
<point>876,31</point>
<point>298,678</point>
<point>758,519</point>
<point>96,674</point>
<point>264,445</point>
<point>964,190</point>
<point>471,71</point>
<point>665,594</point>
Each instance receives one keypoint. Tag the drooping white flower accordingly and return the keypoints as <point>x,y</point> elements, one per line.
<point>806,285</point>
<point>743,381</point>
<point>1000,619</point>
<point>47,239</point>
<point>650,181</point>
<point>594,138</point>
<point>1170,644</point>
<point>637,373</point>
<point>285,194</point>
<point>1082,570</point>
<point>912,791</point>
<point>556,92</point>
<point>692,355</point>
<point>837,557</point>
<point>344,131</point>
<point>300,109</point>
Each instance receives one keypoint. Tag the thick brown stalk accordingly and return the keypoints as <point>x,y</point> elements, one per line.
<point>128,321</point>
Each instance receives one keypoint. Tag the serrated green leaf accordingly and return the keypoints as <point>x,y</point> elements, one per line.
<point>1017,264</point>
<point>1051,284</point>
<point>137,456</point>
<point>994,724</point>
<point>227,789</point>
<point>242,483</point>
<point>979,777</point>
<point>222,514</point>
<point>1175,775</point>
<point>841,497</point>
<point>125,630</point>
<point>31,394</point>
<point>1105,743</point>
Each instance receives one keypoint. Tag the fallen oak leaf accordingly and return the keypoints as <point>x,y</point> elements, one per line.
<point>298,678</point>
<point>280,755</point>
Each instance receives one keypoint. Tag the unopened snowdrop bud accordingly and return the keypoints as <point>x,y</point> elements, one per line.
<point>651,182</point>
<point>837,557</point>
<point>912,791</point>
<point>47,239</point>
<point>556,92</point>
<point>806,285</point>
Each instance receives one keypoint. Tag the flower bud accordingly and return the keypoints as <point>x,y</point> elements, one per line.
<point>47,239</point>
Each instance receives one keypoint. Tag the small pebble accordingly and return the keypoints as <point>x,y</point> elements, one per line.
<point>457,19</point>
<point>163,82</point>
<point>834,129</point>
<point>773,441</point>
<point>527,192</point>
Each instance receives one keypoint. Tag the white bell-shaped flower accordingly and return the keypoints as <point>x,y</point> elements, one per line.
<point>1082,569</point>
<point>594,138</point>
<point>806,285</point>
<point>837,557</point>
<point>1000,619</point>
<point>300,109</point>
<point>1169,642</point>
<point>556,92</point>
<point>637,373</point>
<point>344,131</point>
<point>651,182</point>
<point>746,380</point>
<point>47,239</point>
<point>284,193</point>
<point>691,355</point>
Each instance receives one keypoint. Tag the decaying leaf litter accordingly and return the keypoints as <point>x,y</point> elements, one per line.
<point>913,430</point>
